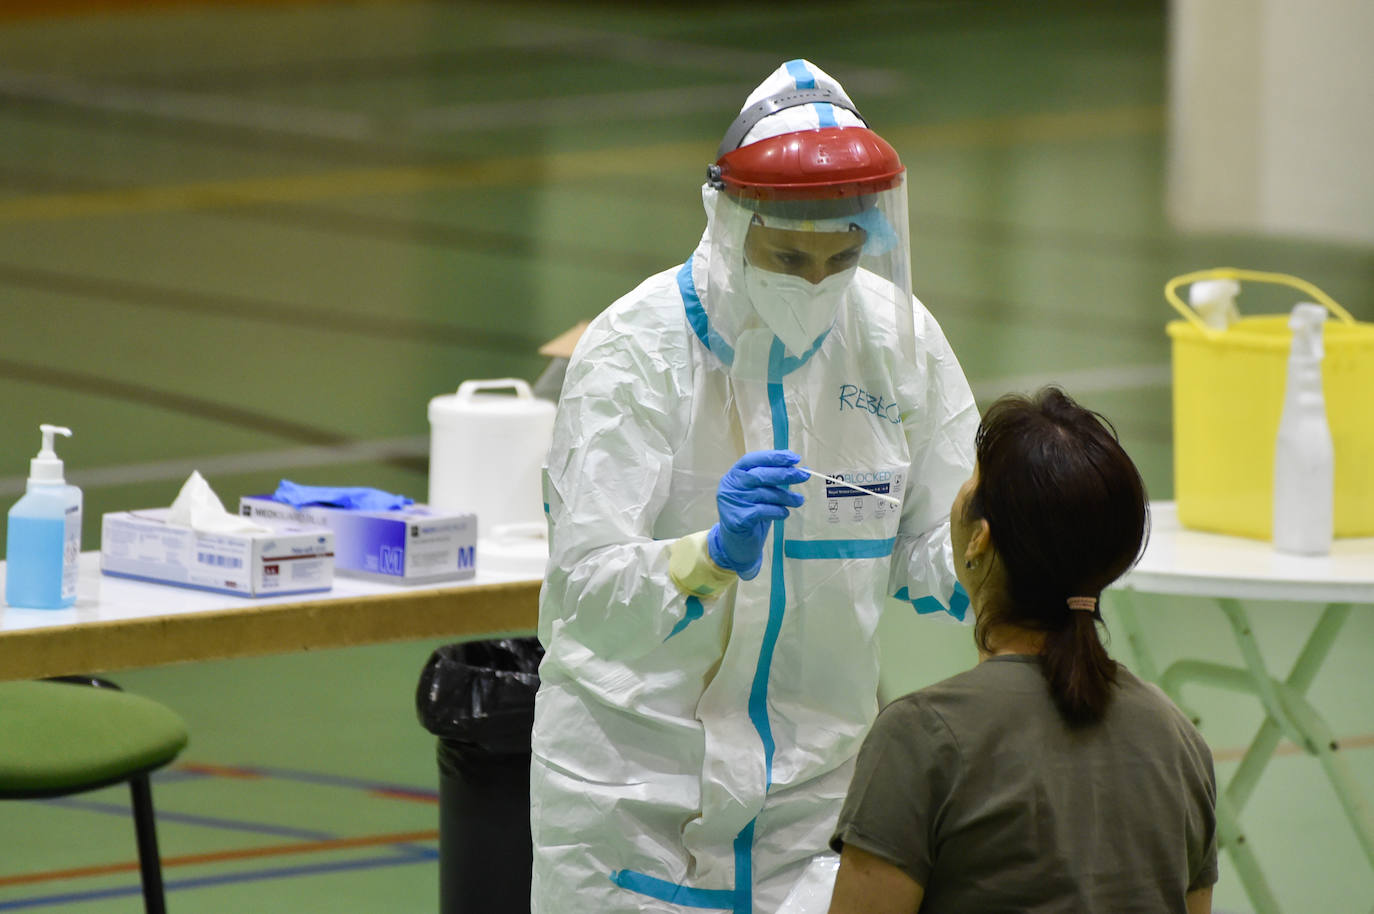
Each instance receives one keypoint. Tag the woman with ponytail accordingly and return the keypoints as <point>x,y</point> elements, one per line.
<point>1048,778</point>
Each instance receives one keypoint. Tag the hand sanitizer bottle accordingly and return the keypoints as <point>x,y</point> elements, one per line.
<point>44,539</point>
<point>1304,460</point>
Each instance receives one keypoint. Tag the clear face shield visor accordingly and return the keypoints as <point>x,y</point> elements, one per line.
<point>808,233</point>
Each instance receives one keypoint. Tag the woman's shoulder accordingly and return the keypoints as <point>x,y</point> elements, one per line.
<point>974,697</point>
<point>1144,696</point>
<point>1145,704</point>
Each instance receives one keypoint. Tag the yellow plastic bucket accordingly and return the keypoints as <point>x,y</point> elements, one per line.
<point>1228,397</point>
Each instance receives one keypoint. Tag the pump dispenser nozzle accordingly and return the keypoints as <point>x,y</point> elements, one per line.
<point>46,468</point>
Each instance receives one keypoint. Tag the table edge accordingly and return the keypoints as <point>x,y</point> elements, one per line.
<point>464,612</point>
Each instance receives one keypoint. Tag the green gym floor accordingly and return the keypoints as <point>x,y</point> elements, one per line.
<point>255,239</point>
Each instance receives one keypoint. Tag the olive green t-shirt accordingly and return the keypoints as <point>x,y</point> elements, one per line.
<point>977,789</point>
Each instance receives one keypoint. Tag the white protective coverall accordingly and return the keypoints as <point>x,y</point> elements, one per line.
<point>689,753</point>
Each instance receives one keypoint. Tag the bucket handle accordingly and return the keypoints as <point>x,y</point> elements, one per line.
<point>522,388</point>
<point>1282,279</point>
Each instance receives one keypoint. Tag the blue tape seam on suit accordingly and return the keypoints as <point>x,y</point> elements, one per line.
<point>740,900</point>
<point>694,612</point>
<point>958,602</point>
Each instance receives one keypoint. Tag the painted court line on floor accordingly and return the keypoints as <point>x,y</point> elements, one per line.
<point>245,853</point>
<point>1078,382</point>
<point>553,168</point>
<point>329,123</point>
<point>232,464</point>
<point>401,841</point>
<point>375,788</point>
<point>587,108</point>
<point>317,841</point>
<point>228,879</point>
<point>201,821</point>
<point>626,47</point>
<point>190,107</point>
<point>201,769</point>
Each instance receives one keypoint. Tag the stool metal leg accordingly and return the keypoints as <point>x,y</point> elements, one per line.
<point>149,863</point>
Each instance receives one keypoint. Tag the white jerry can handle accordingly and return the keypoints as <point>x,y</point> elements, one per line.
<point>521,387</point>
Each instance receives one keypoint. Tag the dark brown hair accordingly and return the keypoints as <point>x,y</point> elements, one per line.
<point>1068,514</point>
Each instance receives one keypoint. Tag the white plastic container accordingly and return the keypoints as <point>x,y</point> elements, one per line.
<point>43,542</point>
<point>1304,459</point>
<point>486,454</point>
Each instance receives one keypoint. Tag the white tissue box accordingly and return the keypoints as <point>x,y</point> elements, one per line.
<point>410,545</point>
<point>289,559</point>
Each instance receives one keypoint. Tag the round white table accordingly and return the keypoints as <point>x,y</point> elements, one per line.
<point>1231,570</point>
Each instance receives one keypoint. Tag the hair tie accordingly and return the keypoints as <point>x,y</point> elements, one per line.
<point>1086,604</point>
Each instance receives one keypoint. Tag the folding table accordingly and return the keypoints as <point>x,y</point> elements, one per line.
<point>119,624</point>
<point>1232,571</point>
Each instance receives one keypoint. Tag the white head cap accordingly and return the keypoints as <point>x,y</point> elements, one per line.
<point>798,74</point>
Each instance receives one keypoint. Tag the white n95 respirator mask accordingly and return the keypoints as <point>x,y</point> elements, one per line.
<point>795,310</point>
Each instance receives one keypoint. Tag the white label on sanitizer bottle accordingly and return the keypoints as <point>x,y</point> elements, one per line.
<point>71,552</point>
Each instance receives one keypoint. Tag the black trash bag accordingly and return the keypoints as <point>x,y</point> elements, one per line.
<point>478,698</point>
<point>479,695</point>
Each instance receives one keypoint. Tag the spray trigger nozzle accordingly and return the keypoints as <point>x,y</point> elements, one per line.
<point>1306,321</point>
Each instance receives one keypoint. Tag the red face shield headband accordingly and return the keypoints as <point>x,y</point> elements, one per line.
<point>827,163</point>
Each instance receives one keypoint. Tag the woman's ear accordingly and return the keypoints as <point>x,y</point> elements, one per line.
<point>979,541</point>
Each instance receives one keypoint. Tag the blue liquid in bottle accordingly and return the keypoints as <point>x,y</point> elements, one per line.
<point>44,541</point>
<point>34,566</point>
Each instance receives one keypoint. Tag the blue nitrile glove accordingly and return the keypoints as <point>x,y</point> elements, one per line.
<point>752,494</point>
<point>355,498</point>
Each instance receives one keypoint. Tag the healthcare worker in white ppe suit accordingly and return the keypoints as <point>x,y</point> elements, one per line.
<point>709,608</point>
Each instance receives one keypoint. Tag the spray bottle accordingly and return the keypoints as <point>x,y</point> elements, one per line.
<point>44,538</point>
<point>1304,460</point>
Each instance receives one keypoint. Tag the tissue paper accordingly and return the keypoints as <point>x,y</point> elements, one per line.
<point>198,507</point>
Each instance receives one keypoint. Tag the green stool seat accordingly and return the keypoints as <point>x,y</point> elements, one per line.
<point>60,738</point>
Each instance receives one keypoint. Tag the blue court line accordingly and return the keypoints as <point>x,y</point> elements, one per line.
<point>258,828</point>
<point>122,809</point>
<point>289,872</point>
<point>332,780</point>
<point>191,772</point>
<point>404,853</point>
<point>178,775</point>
